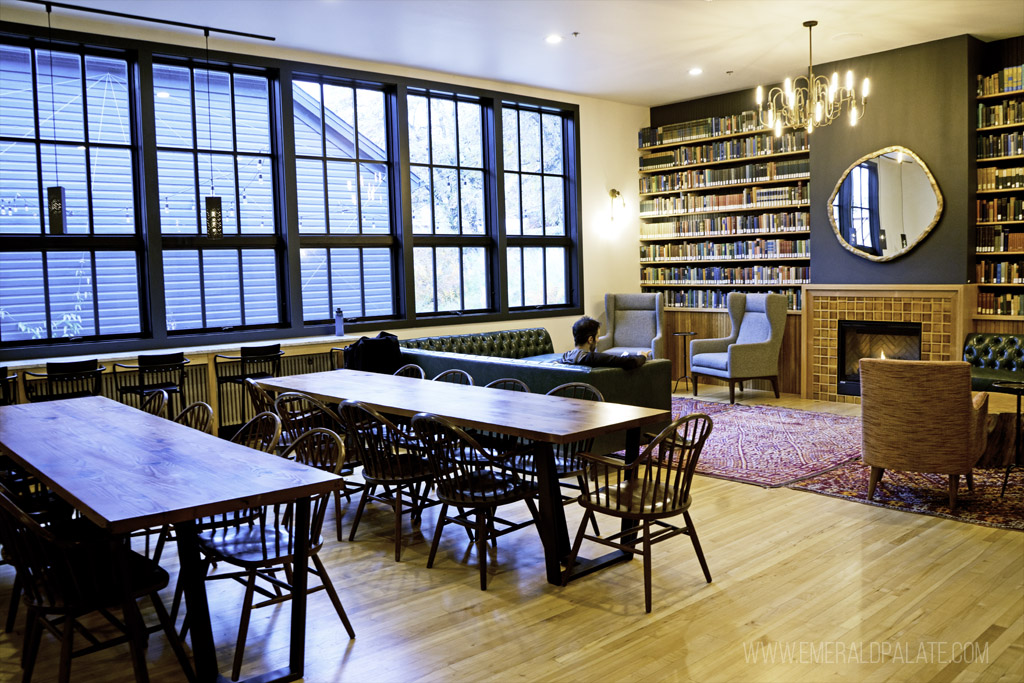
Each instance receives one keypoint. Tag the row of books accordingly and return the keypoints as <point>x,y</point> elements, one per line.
<point>759,248</point>
<point>726,150</point>
<point>1000,272</point>
<point>996,238</point>
<point>1005,145</point>
<point>1000,209</point>
<point>718,298</point>
<point>992,178</point>
<point>721,275</point>
<point>699,128</point>
<point>1005,113</point>
<point>750,197</point>
<point>1008,79</point>
<point>718,177</point>
<point>990,303</point>
<point>711,226</point>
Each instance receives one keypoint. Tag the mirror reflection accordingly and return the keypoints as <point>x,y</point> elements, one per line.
<point>885,204</point>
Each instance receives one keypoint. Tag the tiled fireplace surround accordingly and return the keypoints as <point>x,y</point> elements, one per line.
<point>941,310</point>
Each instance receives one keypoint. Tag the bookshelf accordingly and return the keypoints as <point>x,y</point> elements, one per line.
<point>724,206</point>
<point>999,250</point>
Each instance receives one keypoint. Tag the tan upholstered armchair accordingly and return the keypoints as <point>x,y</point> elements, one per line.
<point>919,416</point>
<point>633,324</point>
<point>751,351</point>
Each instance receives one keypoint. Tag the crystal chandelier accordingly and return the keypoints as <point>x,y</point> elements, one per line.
<point>817,102</point>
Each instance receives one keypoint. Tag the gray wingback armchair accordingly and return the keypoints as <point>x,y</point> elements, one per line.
<point>751,351</point>
<point>633,324</point>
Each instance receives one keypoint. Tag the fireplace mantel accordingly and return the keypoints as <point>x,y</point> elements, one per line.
<point>941,310</point>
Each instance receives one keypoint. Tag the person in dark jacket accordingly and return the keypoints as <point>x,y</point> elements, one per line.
<point>584,333</point>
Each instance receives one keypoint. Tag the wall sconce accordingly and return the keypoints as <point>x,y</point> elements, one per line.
<point>618,203</point>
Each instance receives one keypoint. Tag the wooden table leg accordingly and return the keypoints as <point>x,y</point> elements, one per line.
<point>554,535</point>
<point>300,576</point>
<point>135,627</point>
<point>191,574</point>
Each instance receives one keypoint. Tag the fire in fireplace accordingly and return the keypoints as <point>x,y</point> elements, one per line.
<point>872,339</point>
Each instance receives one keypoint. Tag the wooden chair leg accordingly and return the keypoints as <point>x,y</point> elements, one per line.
<point>437,534</point>
<point>694,378</point>
<point>692,533</point>
<point>12,608</point>
<point>398,524</point>
<point>775,385</point>
<point>172,636</point>
<point>66,648</point>
<point>333,594</point>
<point>876,476</point>
<point>243,625</point>
<point>954,483</point>
<point>732,391</point>
<point>970,481</point>
<point>647,565</point>
<point>359,511</point>
<point>481,545</point>
<point>33,634</point>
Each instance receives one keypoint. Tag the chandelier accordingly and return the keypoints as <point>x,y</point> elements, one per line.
<point>818,101</point>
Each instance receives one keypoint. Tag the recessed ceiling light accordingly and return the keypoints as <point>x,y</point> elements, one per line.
<point>696,71</point>
<point>553,39</point>
<point>163,94</point>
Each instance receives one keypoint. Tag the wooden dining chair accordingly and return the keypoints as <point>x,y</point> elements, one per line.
<point>8,387</point>
<point>66,577</point>
<point>260,548</point>
<point>654,488</point>
<point>393,464</point>
<point>509,384</point>
<point>155,403</point>
<point>151,373</point>
<point>262,432</point>
<point>198,415</point>
<point>568,464</point>
<point>300,413</point>
<point>72,379</point>
<point>410,370</point>
<point>455,376</point>
<point>474,482</point>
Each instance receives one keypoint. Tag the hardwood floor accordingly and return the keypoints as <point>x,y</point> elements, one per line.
<point>806,588</point>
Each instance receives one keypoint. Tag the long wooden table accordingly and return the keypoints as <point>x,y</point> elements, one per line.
<point>546,420</point>
<point>125,470</point>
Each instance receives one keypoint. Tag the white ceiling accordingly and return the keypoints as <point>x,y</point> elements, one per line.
<point>634,51</point>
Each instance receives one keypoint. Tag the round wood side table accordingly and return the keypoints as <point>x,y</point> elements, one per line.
<point>686,360</point>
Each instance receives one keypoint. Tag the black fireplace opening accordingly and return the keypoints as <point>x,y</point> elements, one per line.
<point>872,339</point>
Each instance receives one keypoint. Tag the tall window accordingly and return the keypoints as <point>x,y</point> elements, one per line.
<point>536,190</point>
<point>213,139</point>
<point>342,167</point>
<point>65,120</point>
<point>449,216</point>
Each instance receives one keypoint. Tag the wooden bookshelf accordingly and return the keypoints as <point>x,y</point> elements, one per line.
<point>725,182</point>
<point>999,256</point>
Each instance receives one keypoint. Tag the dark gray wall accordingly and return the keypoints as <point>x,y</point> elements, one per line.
<point>922,97</point>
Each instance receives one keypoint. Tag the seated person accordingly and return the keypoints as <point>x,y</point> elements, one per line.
<point>584,333</point>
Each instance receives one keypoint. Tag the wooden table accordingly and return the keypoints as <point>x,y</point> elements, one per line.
<point>125,470</point>
<point>546,420</point>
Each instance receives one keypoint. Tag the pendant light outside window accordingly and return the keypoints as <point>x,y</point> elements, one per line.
<point>56,206</point>
<point>214,210</point>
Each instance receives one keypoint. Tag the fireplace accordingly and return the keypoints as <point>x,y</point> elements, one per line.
<point>872,339</point>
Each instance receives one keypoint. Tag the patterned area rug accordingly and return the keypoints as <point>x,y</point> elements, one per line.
<point>771,446</point>
<point>928,494</point>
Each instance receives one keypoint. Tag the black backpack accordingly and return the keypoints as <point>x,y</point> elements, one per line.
<point>374,354</point>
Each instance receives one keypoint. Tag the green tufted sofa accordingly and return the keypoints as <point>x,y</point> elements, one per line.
<point>528,355</point>
<point>994,357</point>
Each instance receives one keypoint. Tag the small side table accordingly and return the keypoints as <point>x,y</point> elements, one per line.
<point>1016,388</point>
<point>686,360</point>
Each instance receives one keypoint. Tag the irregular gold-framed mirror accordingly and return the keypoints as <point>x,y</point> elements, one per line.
<point>885,204</point>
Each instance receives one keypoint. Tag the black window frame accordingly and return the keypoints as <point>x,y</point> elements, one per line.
<point>286,239</point>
